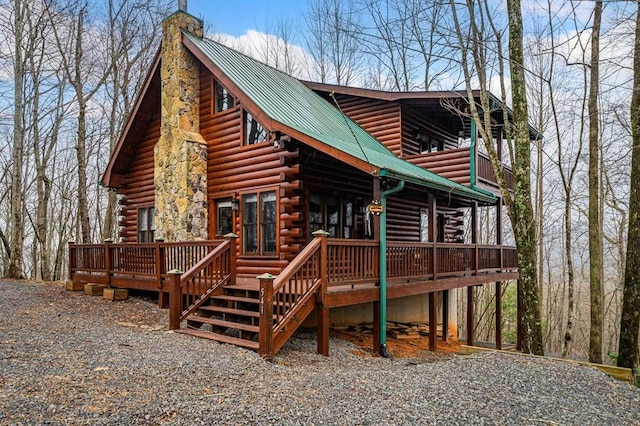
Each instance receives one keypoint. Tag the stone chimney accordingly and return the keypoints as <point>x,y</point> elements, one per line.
<point>180,155</point>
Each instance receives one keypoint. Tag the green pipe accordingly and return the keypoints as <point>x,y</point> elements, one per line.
<point>383,266</point>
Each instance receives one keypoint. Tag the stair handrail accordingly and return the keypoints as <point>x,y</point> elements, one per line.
<point>223,255</point>
<point>271,286</point>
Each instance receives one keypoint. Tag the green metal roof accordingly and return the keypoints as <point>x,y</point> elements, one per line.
<point>288,101</point>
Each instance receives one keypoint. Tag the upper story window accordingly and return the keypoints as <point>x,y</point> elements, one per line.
<point>253,131</point>
<point>146,224</point>
<point>222,99</point>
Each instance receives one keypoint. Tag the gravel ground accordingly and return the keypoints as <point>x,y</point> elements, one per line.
<point>67,358</point>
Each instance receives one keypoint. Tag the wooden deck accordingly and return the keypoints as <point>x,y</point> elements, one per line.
<point>200,278</point>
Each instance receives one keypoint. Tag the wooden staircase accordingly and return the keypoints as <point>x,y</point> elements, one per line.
<point>259,314</point>
<point>232,317</point>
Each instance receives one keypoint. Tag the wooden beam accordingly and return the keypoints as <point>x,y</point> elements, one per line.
<point>445,315</point>
<point>498,315</point>
<point>376,328</point>
<point>433,320</point>
<point>323,329</point>
<point>619,373</point>
<point>470,315</point>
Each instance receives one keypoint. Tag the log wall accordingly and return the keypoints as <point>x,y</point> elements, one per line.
<point>138,189</point>
<point>413,120</point>
<point>380,118</point>
<point>234,169</point>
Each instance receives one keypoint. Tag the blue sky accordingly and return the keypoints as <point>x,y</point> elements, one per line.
<point>235,17</point>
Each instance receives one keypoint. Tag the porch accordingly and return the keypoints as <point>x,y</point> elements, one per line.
<point>204,291</point>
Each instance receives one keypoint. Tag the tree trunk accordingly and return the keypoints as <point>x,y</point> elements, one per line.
<point>630,318</point>
<point>595,221</point>
<point>17,226</point>
<point>524,223</point>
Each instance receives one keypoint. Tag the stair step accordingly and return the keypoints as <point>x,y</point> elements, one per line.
<point>222,323</point>
<point>231,298</point>
<point>249,344</point>
<point>222,309</point>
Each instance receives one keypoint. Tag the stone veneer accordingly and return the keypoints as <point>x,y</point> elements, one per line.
<point>180,155</point>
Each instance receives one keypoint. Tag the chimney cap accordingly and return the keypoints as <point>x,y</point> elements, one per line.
<point>182,5</point>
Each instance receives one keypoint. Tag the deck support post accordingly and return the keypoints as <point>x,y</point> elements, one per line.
<point>445,315</point>
<point>498,315</point>
<point>323,329</point>
<point>433,320</point>
<point>322,311</point>
<point>266,315</point>
<point>470,315</point>
<point>175,299</point>
<point>519,316</point>
<point>376,327</point>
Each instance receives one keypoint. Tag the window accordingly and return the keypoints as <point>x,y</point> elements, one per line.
<point>222,99</point>
<point>335,215</point>
<point>224,217</point>
<point>146,224</point>
<point>253,131</point>
<point>259,223</point>
<point>424,225</point>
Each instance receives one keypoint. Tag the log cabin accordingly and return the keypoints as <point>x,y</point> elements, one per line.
<point>251,200</point>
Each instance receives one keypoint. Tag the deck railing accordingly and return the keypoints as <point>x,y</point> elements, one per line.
<point>189,290</point>
<point>103,263</point>
<point>455,164</point>
<point>485,171</point>
<point>355,262</point>
<point>286,300</point>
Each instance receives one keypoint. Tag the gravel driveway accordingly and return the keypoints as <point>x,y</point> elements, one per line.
<point>67,358</point>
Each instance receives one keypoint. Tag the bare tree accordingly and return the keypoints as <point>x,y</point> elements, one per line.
<point>630,317</point>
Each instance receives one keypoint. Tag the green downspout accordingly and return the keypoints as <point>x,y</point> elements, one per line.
<point>383,267</point>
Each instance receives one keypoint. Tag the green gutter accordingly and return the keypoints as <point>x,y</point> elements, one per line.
<point>383,267</point>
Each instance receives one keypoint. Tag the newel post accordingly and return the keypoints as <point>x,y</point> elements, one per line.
<point>175,299</point>
<point>233,246</point>
<point>72,258</point>
<point>266,315</point>
<point>160,261</point>
<point>107,259</point>
<point>322,311</point>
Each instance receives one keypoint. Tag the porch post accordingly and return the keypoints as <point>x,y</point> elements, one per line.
<point>175,299</point>
<point>470,315</point>
<point>322,311</point>
<point>498,283</point>
<point>433,320</point>
<point>266,315</point>
<point>498,315</point>
<point>433,233</point>
<point>160,270</point>
<point>445,315</point>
